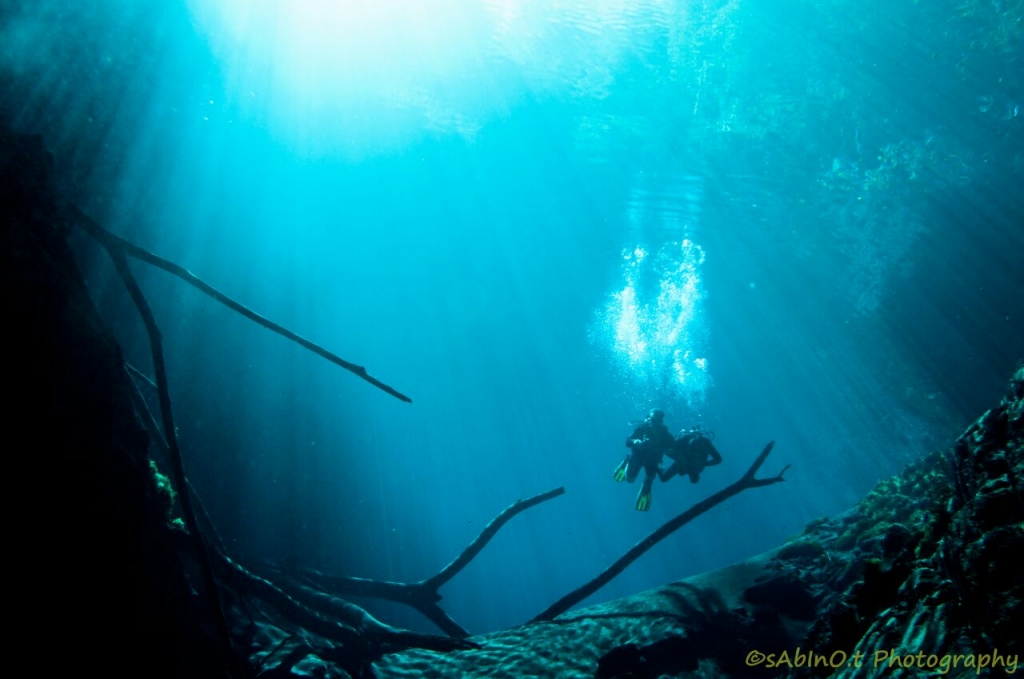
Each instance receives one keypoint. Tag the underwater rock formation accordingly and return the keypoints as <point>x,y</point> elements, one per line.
<point>934,556</point>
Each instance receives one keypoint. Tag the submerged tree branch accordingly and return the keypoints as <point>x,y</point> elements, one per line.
<point>174,452</point>
<point>359,631</point>
<point>745,482</point>
<point>423,595</point>
<point>489,531</point>
<point>112,242</point>
<point>362,634</point>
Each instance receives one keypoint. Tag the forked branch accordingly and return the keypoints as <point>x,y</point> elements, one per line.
<point>745,482</point>
<point>423,595</point>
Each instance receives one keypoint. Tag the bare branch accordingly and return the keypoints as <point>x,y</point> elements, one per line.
<point>113,242</point>
<point>460,562</point>
<point>174,452</point>
<point>581,593</point>
<point>423,595</point>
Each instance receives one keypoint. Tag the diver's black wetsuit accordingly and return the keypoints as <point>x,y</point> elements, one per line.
<point>654,439</point>
<point>648,443</point>
<point>691,453</point>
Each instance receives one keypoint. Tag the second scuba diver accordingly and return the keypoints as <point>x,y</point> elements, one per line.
<point>690,454</point>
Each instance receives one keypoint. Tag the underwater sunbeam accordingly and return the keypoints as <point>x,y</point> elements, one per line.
<point>330,76</point>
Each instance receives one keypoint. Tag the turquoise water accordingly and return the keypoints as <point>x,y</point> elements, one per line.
<point>785,221</point>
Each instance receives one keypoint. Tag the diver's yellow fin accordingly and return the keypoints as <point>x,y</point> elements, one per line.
<point>643,498</point>
<point>620,472</point>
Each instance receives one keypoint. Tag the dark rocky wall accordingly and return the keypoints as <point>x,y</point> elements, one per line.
<point>95,579</point>
<point>929,562</point>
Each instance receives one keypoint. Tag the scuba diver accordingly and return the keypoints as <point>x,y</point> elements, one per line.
<point>648,442</point>
<point>691,453</point>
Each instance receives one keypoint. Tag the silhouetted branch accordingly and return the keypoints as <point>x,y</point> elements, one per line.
<point>174,453</point>
<point>745,482</point>
<point>423,595</point>
<point>380,635</point>
<point>412,594</point>
<point>112,242</point>
<point>245,581</point>
<point>363,635</point>
<point>460,562</point>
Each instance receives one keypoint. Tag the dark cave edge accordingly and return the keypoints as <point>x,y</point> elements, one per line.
<point>925,569</point>
<point>93,523</point>
<point>96,532</point>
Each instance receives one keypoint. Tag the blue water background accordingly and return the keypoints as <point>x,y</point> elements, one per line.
<point>457,202</point>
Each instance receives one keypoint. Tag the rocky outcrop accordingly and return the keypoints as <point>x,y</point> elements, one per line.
<point>931,570</point>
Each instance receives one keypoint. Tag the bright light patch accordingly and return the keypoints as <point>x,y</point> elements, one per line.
<point>656,321</point>
<point>317,43</point>
<point>329,73</point>
<point>364,77</point>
